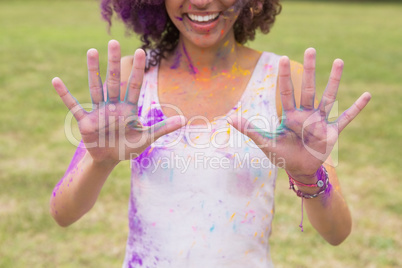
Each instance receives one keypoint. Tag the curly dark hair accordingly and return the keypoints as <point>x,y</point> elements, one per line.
<point>149,19</point>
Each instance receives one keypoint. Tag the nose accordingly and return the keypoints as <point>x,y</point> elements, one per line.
<point>200,4</point>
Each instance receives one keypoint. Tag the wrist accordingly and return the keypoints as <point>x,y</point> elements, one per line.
<point>316,184</point>
<point>308,190</point>
<point>321,186</point>
<point>304,178</point>
<point>102,164</point>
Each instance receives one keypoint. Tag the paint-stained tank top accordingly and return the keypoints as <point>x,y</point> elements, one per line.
<point>203,196</point>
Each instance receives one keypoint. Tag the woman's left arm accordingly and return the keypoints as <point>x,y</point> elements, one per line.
<point>304,140</point>
<point>329,213</point>
<point>331,218</point>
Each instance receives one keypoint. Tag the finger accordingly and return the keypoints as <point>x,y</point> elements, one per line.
<point>71,103</point>
<point>308,82</point>
<point>166,126</point>
<point>94,80</point>
<point>329,96</point>
<point>136,77</point>
<point>285,85</point>
<point>348,115</point>
<point>113,73</point>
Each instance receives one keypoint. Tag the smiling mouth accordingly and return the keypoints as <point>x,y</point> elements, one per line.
<point>203,19</point>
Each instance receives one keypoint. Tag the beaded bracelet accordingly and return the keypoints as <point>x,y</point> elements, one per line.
<point>319,183</point>
<point>322,175</point>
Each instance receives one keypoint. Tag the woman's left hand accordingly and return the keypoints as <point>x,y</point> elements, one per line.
<point>305,137</point>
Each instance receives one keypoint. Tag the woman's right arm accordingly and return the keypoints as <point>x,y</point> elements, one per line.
<point>78,190</point>
<point>111,132</point>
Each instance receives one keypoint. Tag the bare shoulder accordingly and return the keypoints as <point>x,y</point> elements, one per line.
<point>248,57</point>
<point>126,64</point>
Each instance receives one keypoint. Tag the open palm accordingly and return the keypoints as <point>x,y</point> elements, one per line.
<point>305,137</point>
<point>112,130</point>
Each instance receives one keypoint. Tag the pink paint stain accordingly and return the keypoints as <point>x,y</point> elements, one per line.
<point>267,66</point>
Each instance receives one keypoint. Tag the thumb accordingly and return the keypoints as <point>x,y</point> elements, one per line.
<point>168,125</point>
<point>247,128</point>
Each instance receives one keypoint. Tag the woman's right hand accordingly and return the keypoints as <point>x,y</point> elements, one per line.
<point>112,131</point>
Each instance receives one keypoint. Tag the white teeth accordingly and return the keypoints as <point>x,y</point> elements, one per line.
<point>203,18</point>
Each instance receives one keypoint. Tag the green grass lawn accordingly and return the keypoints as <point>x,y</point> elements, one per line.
<point>43,39</point>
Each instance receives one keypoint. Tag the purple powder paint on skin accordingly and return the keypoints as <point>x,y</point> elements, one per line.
<point>176,62</point>
<point>327,194</point>
<point>79,154</point>
<point>179,18</point>
<point>193,70</point>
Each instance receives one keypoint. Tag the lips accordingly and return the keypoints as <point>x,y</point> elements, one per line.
<point>203,18</point>
<point>202,23</point>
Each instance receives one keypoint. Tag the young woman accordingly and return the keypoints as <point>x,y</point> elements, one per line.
<point>205,122</point>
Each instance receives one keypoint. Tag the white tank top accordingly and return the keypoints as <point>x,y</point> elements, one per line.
<point>204,198</point>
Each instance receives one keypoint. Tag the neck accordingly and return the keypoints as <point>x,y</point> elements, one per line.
<point>205,62</point>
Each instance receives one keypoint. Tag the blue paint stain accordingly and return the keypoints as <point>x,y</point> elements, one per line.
<point>171,175</point>
<point>212,228</point>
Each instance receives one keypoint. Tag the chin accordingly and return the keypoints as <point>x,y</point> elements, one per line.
<point>207,41</point>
